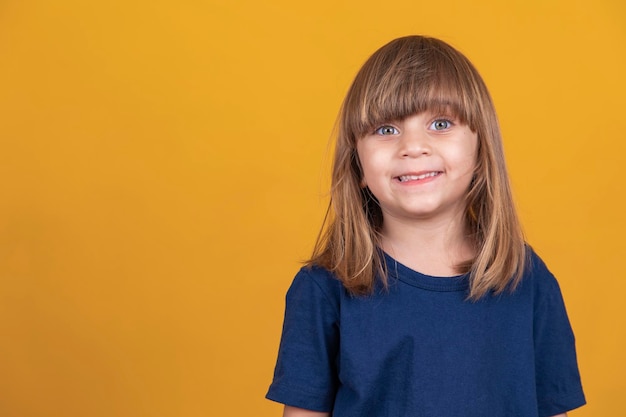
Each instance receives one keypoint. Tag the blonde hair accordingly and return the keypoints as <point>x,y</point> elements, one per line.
<point>408,76</point>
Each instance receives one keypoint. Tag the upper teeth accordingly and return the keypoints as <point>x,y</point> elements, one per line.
<point>417,177</point>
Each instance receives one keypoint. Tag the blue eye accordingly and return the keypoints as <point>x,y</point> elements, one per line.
<point>386,130</point>
<point>441,124</point>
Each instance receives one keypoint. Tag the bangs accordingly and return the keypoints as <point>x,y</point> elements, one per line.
<point>407,78</point>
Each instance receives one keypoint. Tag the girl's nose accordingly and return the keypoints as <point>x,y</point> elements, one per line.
<point>414,144</point>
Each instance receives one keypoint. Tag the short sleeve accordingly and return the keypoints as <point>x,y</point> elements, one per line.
<point>558,380</point>
<point>306,374</point>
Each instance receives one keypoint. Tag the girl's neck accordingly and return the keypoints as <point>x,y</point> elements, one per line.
<point>433,247</point>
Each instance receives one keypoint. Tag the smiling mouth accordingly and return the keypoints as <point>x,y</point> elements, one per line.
<point>404,178</point>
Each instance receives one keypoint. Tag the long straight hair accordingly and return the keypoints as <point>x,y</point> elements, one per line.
<point>408,76</point>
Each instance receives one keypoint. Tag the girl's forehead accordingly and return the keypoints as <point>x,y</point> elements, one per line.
<point>371,104</point>
<point>447,111</point>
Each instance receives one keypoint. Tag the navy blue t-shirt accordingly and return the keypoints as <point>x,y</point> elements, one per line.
<point>422,349</point>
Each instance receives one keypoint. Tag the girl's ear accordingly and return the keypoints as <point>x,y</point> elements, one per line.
<point>363,183</point>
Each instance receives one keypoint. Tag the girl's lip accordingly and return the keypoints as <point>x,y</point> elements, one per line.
<point>417,176</point>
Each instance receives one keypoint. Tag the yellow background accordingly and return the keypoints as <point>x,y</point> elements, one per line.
<point>163,166</point>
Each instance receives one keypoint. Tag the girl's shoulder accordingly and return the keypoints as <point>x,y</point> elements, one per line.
<point>317,284</point>
<point>540,276</point>
<point>536,265</point>
<point>319,276</point>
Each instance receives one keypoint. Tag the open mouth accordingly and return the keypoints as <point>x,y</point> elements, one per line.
<point>405,178</point>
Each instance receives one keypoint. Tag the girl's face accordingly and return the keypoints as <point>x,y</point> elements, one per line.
<point>420,167</point>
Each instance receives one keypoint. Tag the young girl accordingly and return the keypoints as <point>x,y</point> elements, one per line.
<point>421,298</point>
